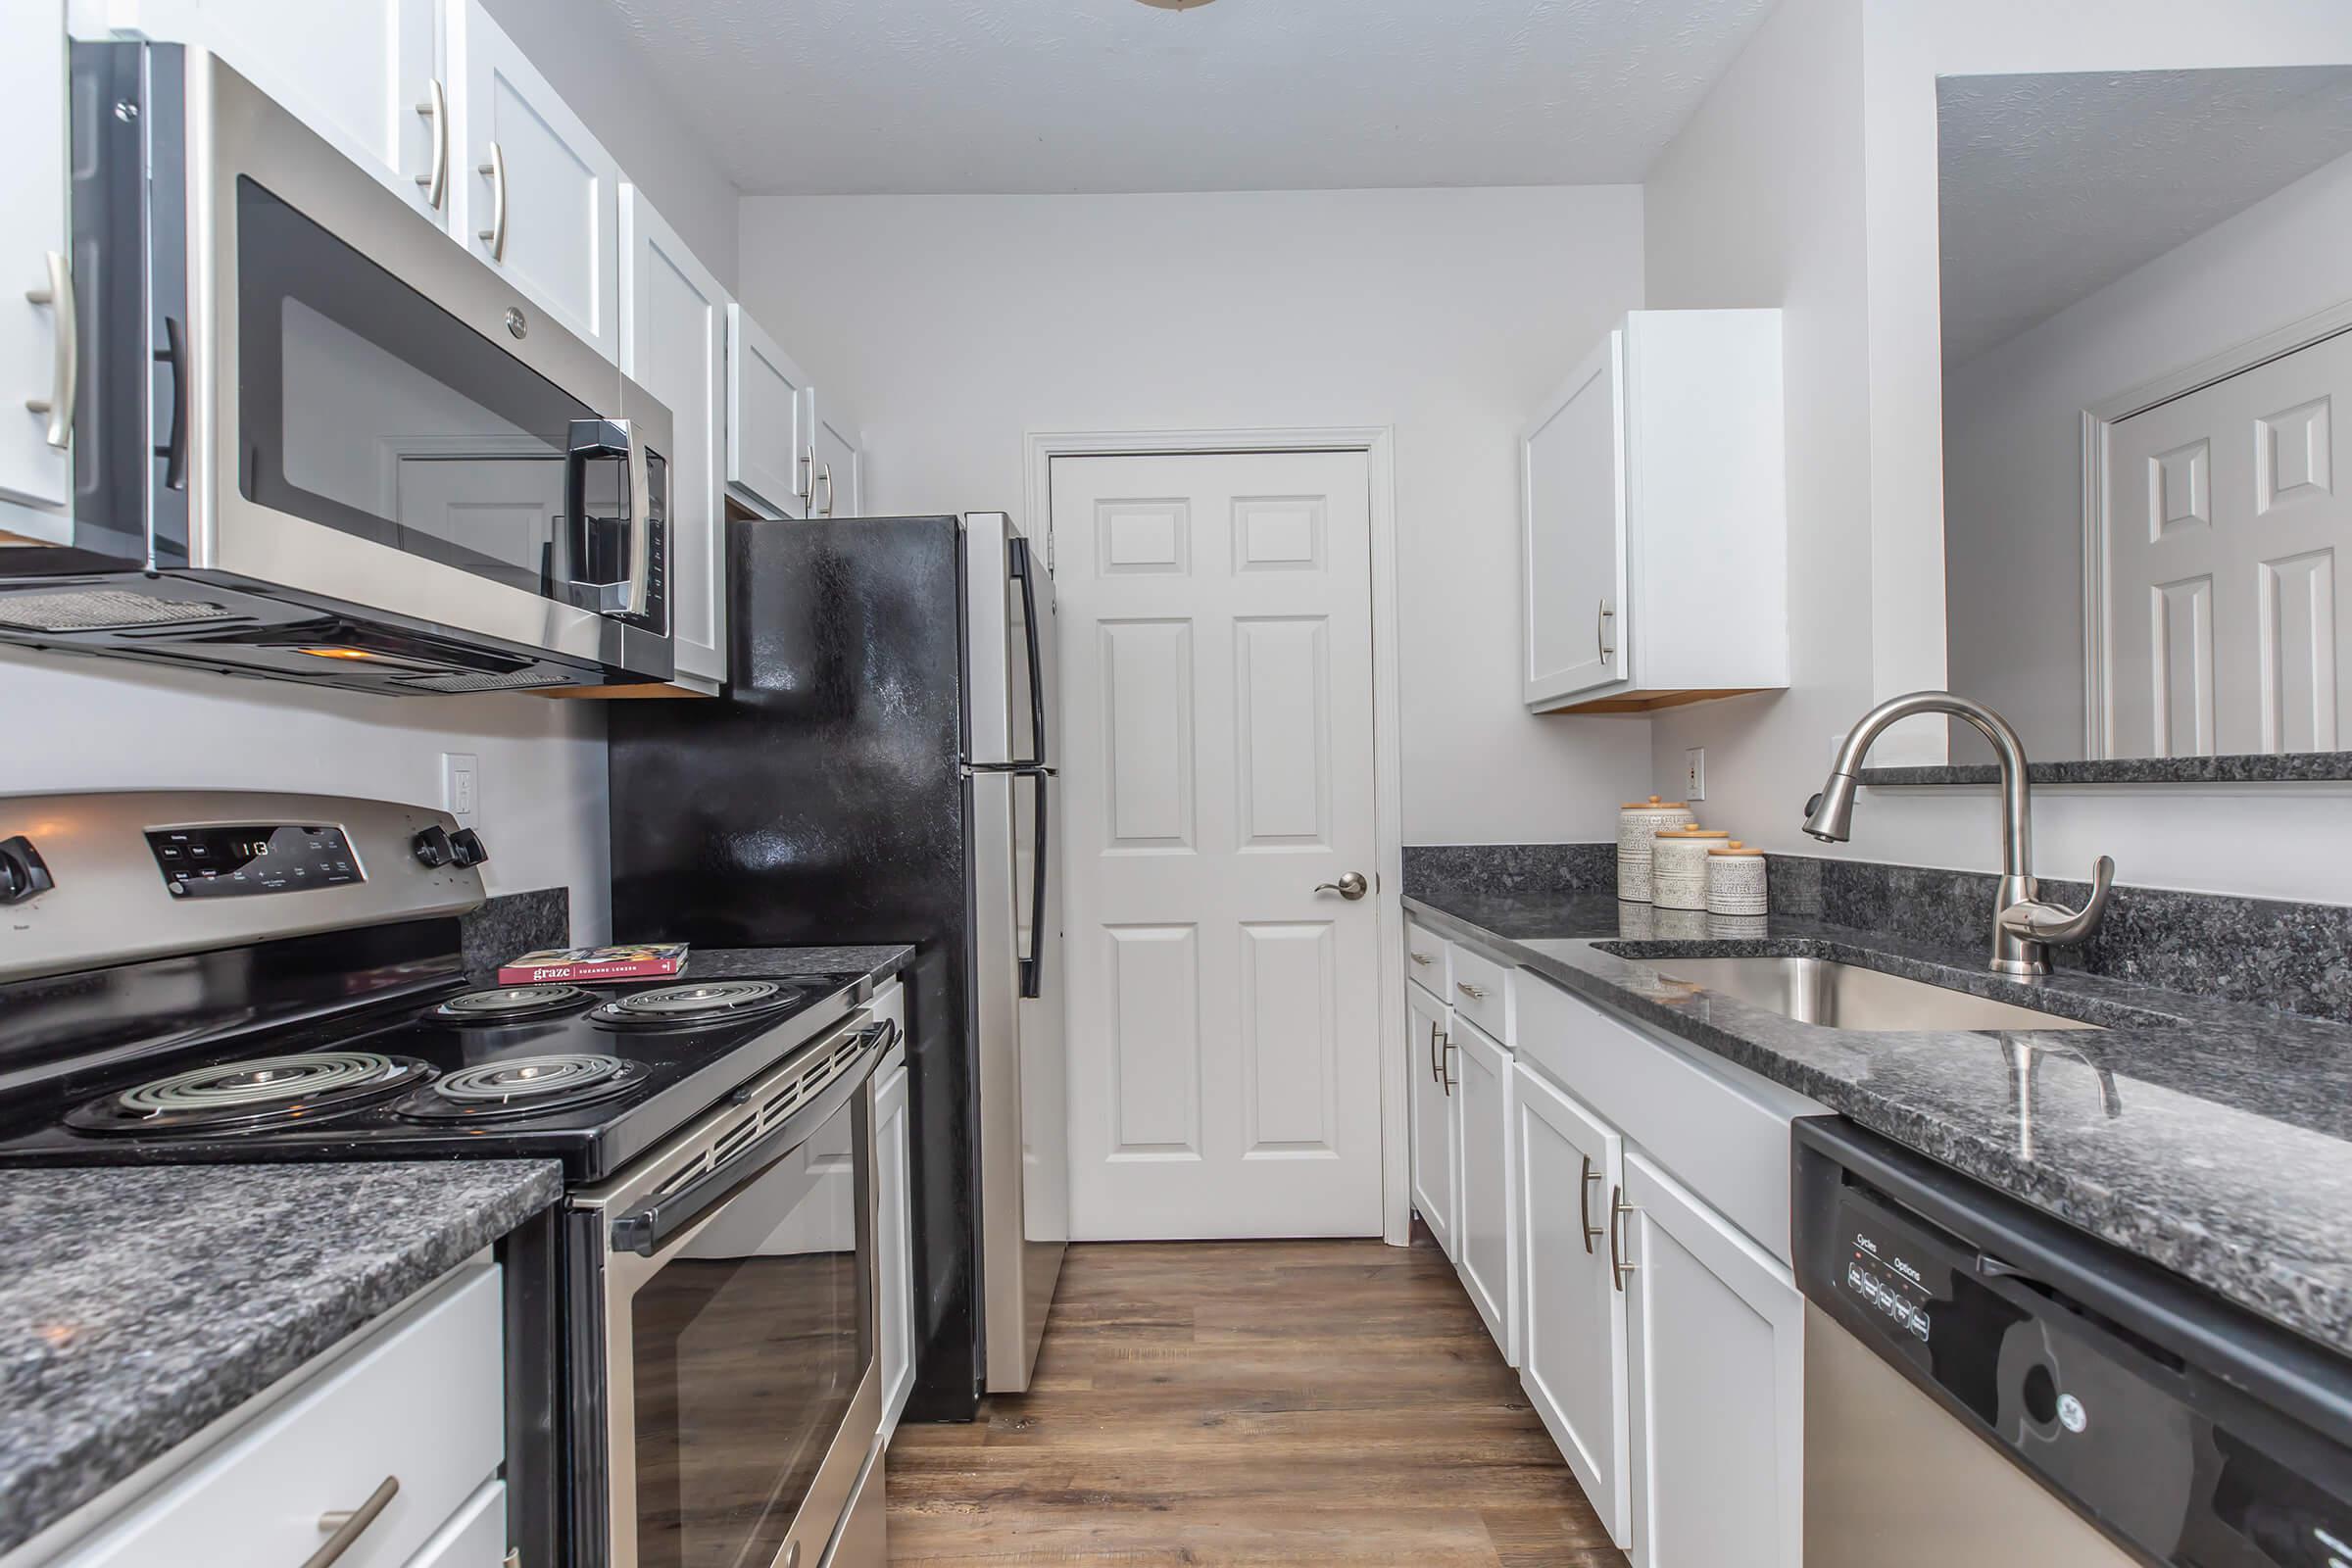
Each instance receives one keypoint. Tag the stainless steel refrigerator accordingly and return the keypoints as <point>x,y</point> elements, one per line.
<point>883,767</point>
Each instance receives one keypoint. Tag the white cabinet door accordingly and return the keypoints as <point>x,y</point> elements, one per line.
<point>834,435</point>
<point>1716,1335</point>
<point>673,343</point>
<point>769,453</point>
<point>35,472</point>
<point>894,1244</point>
<point>1432,1116</point>
<point>363,74</point>
<point>1572,1345</point>
<point>1482,1109</point>
<point>536,196</point>
<point>1572,488</point>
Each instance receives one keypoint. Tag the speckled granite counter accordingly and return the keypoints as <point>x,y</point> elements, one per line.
<point>875,963</point>
<point>137,1306</point>
<point>2212,1138</point>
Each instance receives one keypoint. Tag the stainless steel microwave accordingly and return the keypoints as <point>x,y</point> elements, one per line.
<point>314,439</point>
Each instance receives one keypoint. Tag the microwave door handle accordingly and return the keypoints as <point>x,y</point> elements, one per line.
<point>1024,572</point>
<point>655,1223</point>
<point>591,441</point>
<point>641,527</point>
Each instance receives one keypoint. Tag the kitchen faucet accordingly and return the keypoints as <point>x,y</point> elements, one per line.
<point>2025,926</point>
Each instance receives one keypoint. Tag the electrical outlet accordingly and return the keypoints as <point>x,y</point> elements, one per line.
<point>461,785</point>
<point>1694,774</point>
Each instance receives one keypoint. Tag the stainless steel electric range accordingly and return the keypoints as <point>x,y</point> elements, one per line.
<point>691,1337</point>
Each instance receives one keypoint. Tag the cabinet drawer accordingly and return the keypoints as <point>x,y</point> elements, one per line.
<point>424,1401</point>
<point>476,1536</point>
<point>1425,961</point>
<point>1480,990</point>
<point>1722,1130</point>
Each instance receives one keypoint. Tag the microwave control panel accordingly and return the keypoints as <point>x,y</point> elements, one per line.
<point>243,860</point>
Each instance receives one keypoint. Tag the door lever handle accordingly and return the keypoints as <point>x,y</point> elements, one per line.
<point>1350,887</point>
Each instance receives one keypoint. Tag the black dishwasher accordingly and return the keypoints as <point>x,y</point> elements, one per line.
<point>2185,1429</point>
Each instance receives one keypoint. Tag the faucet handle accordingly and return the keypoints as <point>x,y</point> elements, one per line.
<point>2038,920</point>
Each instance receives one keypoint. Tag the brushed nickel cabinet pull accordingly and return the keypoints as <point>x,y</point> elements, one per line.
<point>435,178</point>
<point>347,1527</point>
<point>1619,1269</point>
<point>496,234</point>
<point>1600,632</point>
<point>1423,959</point>
<point>1584,1205</point>
<point>1450,1080</point>
<point>1474,993</point>
<point>64,357</point>
<point>1436,1073</point>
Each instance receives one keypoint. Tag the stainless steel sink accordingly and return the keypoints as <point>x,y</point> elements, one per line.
<point>1843,995</point>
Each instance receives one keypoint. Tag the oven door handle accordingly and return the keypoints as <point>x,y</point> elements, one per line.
<point>655,1223</point>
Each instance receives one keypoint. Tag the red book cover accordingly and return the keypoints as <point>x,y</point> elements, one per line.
<point>644,961</point>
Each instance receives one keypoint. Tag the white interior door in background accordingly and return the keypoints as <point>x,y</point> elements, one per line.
<point>2223,526</point>
<point>1224,1025</point>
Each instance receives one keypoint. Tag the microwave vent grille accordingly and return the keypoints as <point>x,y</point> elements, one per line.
<point>460,682</point>
<point>101,609</point>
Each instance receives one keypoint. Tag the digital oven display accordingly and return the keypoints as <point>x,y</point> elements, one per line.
<point>216,862</point>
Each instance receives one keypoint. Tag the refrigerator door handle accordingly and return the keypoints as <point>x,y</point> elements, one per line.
<point>1033,962</point>
<point>1017,552</point>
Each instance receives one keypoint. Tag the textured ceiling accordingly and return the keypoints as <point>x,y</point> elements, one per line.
<point>922,96</point>
<point>2055,186</point>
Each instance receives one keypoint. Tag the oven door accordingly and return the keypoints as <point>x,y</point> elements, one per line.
<point>355,413</point>
<point>735,1367</point>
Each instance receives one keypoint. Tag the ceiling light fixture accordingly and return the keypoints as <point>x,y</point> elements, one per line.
<point>1176,5</point>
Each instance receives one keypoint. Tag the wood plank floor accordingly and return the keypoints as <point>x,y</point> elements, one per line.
<point>1250,1402</point>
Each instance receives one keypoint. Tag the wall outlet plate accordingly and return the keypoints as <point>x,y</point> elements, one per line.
<point>1694,774</point>
<point>461,785</point>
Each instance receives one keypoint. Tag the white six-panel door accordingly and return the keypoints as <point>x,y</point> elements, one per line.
<point>1223,1014</point>
<point>2223,524</point>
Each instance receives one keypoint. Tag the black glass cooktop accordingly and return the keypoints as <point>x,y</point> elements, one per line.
<point>592,1075</point>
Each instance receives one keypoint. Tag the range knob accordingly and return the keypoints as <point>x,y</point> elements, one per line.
<point>466,845</point>
<point>23,872</point>
<point>434,847</point>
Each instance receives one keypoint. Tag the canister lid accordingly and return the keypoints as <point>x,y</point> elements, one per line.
<point>1735,848</point>
<point>1692,833</point>
<point>1653,804</point>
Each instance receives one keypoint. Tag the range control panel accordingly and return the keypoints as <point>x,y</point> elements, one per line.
<point>215,862</point>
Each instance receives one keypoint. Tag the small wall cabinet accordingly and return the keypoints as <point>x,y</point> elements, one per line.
<point>770,449</point>
<point>1653,520</point>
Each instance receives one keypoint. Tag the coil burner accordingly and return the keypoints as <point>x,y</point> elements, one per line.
<point>268,1090</point>
<point>521,1086</point>
<point>707,1001</point>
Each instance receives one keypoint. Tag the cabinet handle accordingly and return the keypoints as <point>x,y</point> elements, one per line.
<point>65,358</point>
<point>826,480</point>
<point>1600,632</point>
<point>1423,959</point>
<point>1436,1071</point>
<point>347,1527</point>
<point>808,479</point>
<point>1584,1205</point>
<point>496,233</point>
<point>1618,1209</point>
<point>435,178</point>
<point>1447,1060</point>
<point>1474,993</point>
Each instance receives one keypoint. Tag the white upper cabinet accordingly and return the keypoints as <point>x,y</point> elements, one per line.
<point>834,455</point>
<point>673,343</point>
<point>535,195</point>
<point>1653,519</point>
<point>770,449</point>
<point>36,294</point>
<point>367,74</point>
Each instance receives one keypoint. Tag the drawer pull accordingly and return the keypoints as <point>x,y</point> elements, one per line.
<point>1584,1205</point>
<point>1474,993</point>
<point>1423,959</point>
<point>347,1527</point>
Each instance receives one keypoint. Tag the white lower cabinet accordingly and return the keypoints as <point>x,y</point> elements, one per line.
<point>894,1244</point>
<point>1430,1114</point>
<point>1481,1113</point>
<point>1715,1342</point>
<point>414,1414</point>
<point>1572,1332</point>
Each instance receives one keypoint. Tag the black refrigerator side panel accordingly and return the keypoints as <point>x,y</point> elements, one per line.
<point>822,801</point>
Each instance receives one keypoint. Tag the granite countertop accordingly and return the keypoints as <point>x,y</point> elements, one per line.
<point>139,1306</point>
<point>875,963</point>
<point>2212,1138</point>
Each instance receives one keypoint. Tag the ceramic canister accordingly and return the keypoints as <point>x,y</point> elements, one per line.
<point>1636,823</point>
<point>1735,879</point>
<point>1677,867</point>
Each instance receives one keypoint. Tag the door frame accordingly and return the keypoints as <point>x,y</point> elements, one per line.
<point>1378,445</point>
<point>2098,419</point>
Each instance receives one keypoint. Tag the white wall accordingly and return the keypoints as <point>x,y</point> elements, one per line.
<point>1756,203</point>
<point>956,326</point>
<point>2013,450</point>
